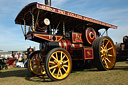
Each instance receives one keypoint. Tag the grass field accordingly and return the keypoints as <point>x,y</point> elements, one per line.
<point>20,76</point>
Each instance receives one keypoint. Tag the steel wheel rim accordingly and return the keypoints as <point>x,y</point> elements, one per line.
<point>59,64</point>
<point>108,53</point>
<point>36,64</point>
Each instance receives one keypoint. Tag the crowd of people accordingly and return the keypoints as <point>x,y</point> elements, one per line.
<point>20,57</point>
<point>6,56</point>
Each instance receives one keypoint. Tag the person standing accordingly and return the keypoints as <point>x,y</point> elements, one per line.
<point>20,57</point>
<point>30,51</point>
<point>16,56</point>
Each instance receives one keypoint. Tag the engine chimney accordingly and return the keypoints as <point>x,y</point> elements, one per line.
<point>48,2</point>
<point>48,15</point>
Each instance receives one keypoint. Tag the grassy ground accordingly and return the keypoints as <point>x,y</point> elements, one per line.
<point>20,76</point>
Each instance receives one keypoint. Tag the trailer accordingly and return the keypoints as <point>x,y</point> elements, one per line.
<point>64,38</point>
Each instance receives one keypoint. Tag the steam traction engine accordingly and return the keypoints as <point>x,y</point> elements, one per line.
<point>64,38</point>
<point>122,49</point>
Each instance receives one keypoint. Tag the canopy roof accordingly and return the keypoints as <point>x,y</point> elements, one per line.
<point>70,18</point>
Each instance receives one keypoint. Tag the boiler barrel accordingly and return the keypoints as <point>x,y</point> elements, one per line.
<point>65,44</point>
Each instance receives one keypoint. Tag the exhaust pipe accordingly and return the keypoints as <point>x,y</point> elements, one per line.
<point>48,2</point>
<point>48,15</point>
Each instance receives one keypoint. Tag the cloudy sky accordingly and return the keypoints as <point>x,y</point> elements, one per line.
<point>111,11</point>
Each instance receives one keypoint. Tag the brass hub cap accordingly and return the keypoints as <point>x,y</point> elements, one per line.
<point>59,64</point>
<point>105,52</point>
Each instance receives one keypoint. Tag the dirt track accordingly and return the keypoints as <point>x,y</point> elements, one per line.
<point>20,76</point>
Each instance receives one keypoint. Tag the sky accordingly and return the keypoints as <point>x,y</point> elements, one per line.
<point>110,11</point>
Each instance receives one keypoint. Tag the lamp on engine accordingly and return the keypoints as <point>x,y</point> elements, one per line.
<point>42,24</point>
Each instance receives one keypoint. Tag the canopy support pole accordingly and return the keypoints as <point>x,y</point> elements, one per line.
<point>63,28</point>
<point>37,19</point>
<point>24,28</point>
<point>107,32</point>
<point>33,23</point>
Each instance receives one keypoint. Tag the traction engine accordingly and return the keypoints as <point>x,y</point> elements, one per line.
<point>64,38</point>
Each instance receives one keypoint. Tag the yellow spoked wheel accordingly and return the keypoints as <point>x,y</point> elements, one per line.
<point>104,53</point>
<point>35,64</point>
<point>58,64</point>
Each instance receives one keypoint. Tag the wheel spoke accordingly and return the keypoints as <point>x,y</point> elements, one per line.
<point>102,47</point>
<point>35,68</point>
<point>103,44</point>
<point>65,61</point>
<point>102,59</point>
<point>64,69</point>
<point>63,57</point>
<point>54,58</point>
<point>42,63</point>
<point>51,62</point>
<point>53,67</point>
<point>60,72</point>
<point>106,44</point>
<point>108,60</point>
<point>54,71</point>
<point>38,57</point>
<point>110,55</point>
<point>34,64</point>
<point>110,48</point>
<point>65,66</point>
<point>106,64</point>
<point>102,56</point>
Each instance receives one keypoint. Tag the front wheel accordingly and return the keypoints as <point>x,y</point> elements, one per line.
<point>58,64</point>
<point>104,53</point>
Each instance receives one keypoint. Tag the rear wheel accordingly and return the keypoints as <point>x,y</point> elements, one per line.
<point>58,64</point>
<point>104,53</point>
<point>35,64</point>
